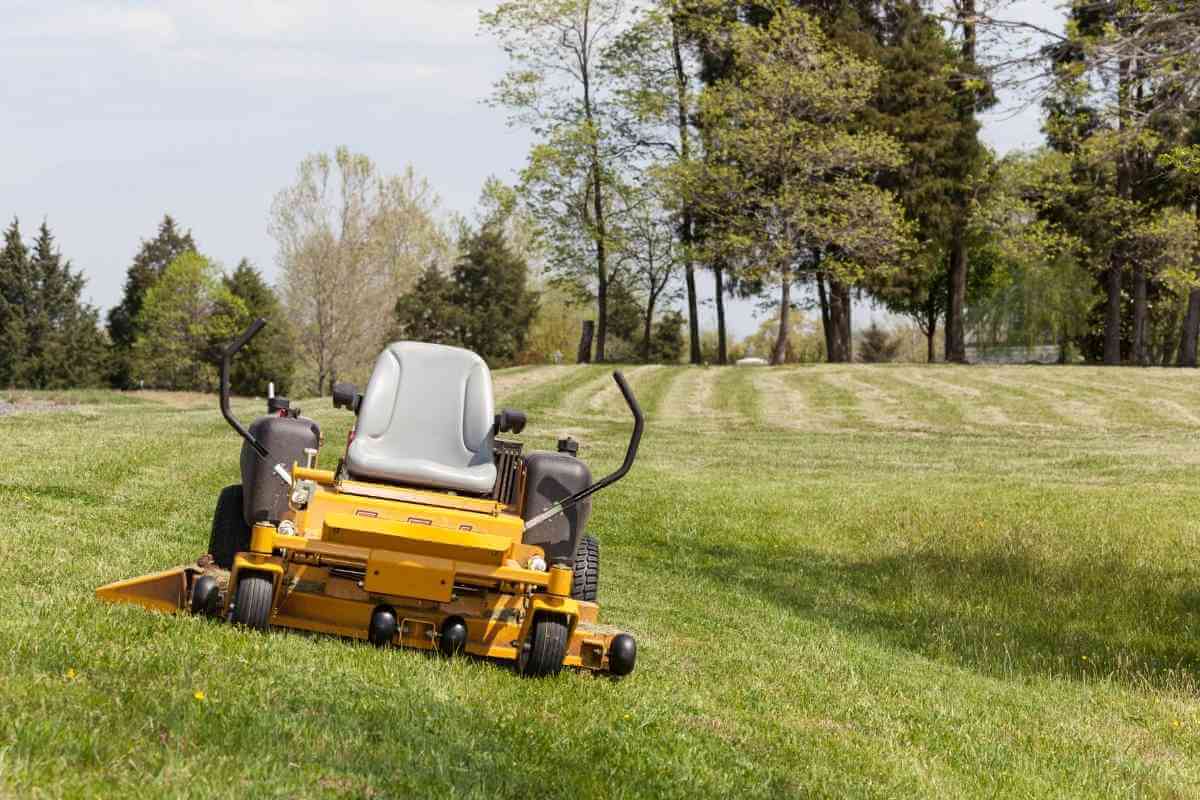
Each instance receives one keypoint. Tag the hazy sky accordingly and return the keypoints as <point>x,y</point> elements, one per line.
<point>112,113</point>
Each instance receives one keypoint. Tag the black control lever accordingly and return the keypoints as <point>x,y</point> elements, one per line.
<point>630,454</point>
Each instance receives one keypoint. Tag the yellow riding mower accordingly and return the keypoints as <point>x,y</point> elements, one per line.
<point>429,533</point>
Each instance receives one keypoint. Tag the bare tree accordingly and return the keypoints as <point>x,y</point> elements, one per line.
<point>349,243</point>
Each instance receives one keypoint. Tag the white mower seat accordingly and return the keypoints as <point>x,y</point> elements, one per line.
<point>426,419</point>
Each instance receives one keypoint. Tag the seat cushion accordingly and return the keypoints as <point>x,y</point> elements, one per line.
<point>426,420</point>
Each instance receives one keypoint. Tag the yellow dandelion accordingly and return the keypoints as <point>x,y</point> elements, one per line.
<point>70,674</point>
<point>199,696</point>
<point>1085,658</point>
<point>1175,722</point>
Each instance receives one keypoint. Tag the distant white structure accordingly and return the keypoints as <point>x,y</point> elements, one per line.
<point>752,361</point>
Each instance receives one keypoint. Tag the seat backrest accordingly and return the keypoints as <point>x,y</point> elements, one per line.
<point>426,419</point>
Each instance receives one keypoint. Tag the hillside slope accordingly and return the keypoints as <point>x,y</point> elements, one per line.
<point>845,581</point>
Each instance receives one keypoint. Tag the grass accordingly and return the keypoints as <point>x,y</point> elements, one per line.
<point>845,581</point>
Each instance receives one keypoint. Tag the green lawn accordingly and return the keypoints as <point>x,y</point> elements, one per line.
<point>845,581</point>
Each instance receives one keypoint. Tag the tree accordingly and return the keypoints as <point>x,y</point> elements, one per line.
<point>1038,289</point>
<point>787,182</point>
<point>656,97</point>
<point>149,263</point>
<point>666,342</point>
<point>877,346</point>
<point>52,340</point>
<point>185,319</point>
<point>556,88</point>
<point>484,306</point>
<point>916,103</point>
<point>269,357</point>
<point>15,296</point>
<point>649,248</point>
<point>350,243</point>
<point>491,292</point>
<point>428,313</point>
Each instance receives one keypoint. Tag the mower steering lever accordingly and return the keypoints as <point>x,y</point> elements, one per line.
<point>635,439</point>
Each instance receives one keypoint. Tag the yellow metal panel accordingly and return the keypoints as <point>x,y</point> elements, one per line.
<point>421,497</point>
<point>326,501</point>
<point>418,539</point>
<point>406,575</point>
<point>162,591</point>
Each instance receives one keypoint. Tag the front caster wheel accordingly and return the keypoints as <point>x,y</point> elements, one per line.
<point>252,602</point>
<point>206,596</point>
<point>543,654</point>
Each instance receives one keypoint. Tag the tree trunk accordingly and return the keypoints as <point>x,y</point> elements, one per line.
<point>956,344</point>
<point>826,324</point>
<point>689,273</point>
<point>1191,330</point>
<point>584,355</point>
<point>686,229</point>
<point>598,214</point>
<point>930,355</point>
<point>956,339</point>
<point>646,330</point>
<point>722,351</point>
<point>779,353</point>
<point>840,350</point>
<point>1112,314</point>
<point>1117,260</point>
<point>1140,355</point>
<point>847,340</point>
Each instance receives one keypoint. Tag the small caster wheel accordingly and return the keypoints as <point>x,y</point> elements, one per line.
<point>453,638</point>
<point>543,654</point>
<point>206,594</point>
<point>622,653</point>
<point>383,626</point>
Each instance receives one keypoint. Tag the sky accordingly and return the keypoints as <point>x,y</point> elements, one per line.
<point>114,113</point>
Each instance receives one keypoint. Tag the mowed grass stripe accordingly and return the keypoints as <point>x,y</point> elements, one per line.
<point>854,612</point>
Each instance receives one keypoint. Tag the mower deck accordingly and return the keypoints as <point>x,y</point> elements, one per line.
<point>316,602</point>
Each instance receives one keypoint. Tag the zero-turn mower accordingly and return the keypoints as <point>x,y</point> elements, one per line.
<point>430,532</point>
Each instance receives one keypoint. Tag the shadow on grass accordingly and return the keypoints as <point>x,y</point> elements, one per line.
<point>1001,612</point>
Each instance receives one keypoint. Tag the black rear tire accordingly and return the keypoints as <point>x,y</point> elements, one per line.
<point>230,534</point>
<point>547,646</point>
<point>252,603</point>
<point>585,582</point>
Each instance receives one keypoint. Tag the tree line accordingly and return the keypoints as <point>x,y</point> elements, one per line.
<point>807,153</point>
<point>803,154</point>
<point>177,311</point>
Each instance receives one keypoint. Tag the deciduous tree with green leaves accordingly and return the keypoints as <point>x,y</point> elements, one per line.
<point>187,316</point>
<point>557,88</point>
<point>149,263</point>
<point>786,174</point>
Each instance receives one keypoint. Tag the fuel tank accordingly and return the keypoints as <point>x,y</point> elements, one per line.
<point>549,478</point>
<point>265,496</point>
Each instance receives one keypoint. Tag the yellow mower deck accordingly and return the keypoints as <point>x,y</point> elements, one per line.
<point>351,548</point>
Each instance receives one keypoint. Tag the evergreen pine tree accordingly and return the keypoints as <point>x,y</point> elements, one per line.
<point>148,265</point>
<point>496,305</point>
<point>427,313</point>
<point>14,298</point>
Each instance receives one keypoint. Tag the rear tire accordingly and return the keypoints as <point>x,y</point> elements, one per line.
<point>585,581</point>
<point>547,646</point>
<point>252,603</point>
<point>230,534</point>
